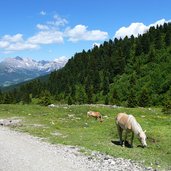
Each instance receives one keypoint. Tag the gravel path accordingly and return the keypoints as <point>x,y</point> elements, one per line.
<point>21,152</point>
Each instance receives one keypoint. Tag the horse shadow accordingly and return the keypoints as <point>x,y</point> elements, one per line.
<point>118,143</point>
<point>128,145</point>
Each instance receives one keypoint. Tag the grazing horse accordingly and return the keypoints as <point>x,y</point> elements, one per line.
<point>96,115</point>
<point>129,124</point>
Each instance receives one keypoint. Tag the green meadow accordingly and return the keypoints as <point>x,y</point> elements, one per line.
<point>69,125</point>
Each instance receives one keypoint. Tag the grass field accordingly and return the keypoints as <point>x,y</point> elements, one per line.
<point>70,125</point>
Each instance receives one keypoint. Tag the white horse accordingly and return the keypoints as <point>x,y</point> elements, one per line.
<point>129,124</point>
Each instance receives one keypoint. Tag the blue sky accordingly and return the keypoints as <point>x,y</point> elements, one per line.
<point>49,29</point>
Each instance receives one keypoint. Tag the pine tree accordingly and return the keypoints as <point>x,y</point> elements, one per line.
<point>96,82</point>
<point>26,98</point>
<point>106,85</point>
<point>81,97</point>
<point>106,100</point>
<point>90,95</point>
<point>138,49</point>
<point>158,40</point>
<point>8,99</point>
<point>144,98</point>
<point>70,102</point>
<point>168,38</point>
<point>151,56</point>
<point>145,43</point>
<point>132,102</point>
<point>73,93</point>
<point>115,97</point>
<point>1,97</point>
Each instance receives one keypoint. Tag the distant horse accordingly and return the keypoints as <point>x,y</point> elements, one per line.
<point>129,124</point>
<point>96,115</point>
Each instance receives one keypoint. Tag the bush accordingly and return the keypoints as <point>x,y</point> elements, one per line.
<point>45,98</point>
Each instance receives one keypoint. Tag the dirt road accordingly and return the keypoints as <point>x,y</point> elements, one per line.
<point>21,152</point>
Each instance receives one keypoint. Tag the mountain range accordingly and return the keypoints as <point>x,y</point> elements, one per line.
<point>18,69</point>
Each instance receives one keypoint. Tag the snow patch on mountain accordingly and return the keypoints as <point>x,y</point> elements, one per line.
<point>21,69</point>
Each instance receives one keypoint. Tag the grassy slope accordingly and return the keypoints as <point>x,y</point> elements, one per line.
<point>77,129</point>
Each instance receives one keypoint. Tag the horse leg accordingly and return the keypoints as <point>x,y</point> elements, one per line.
<point>132,138</point>
<point>88,116</point>
<point>120,133</point>
<point>126,132</point>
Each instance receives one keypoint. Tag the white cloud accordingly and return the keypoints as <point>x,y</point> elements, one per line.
<point>15,38</point>
<point>80,32</point>
<point>53,24</point>
<point>42,27</point>
<point>15,42</point>
<point>20,46</point>
<point>57,22</point>
<point>137,28</point>
<point>133,29</point>
<point>61,59</point>
<point>4,44</point>
<point>42,13</point>
<point>46,37</point>
<point>159,22</point>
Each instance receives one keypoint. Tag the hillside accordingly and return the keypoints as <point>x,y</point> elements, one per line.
<point>130,72</point>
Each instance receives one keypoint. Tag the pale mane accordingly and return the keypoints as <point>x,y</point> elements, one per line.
<point>136,128</point>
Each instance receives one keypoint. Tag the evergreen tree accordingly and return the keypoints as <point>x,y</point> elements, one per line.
<point>89,93</point>
<point>26,99</point>
<point>117,64</point>
<point>132,102</point>
<point>70,102</point>
<point>96,82</point>
<point>158,40</point>
<point>115,97</point>
<point>145,43</point>
<point>1,97</point>
<point>8,99</point>
<point>138,49</point>
<point>144,98</point>
<point>81,97</point>
<point>151,56</point>
<point>73,92</point>
<point>106,100</point>
<point>105,85</point>
<point>168,38</point>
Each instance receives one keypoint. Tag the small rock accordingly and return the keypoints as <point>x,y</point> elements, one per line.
<point>149,168</point>
<point>90,158</point>
<point>156,162</point>
<point>106,158</point>
<point>51,105</point>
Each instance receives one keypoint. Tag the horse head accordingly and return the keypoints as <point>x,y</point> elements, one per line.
<point>142,138</point>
